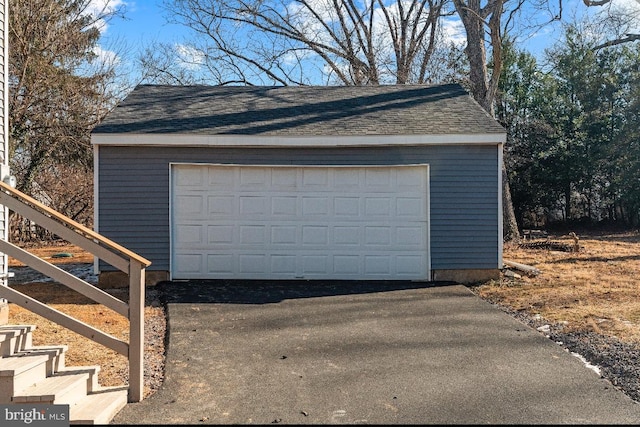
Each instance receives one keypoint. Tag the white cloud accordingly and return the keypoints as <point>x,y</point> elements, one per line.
<point>106,56</point>
<point>454,32</point>
<point>189,57</point>
<point>102,7</point>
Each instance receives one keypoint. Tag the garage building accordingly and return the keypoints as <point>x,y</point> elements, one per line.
<point>399,182</point>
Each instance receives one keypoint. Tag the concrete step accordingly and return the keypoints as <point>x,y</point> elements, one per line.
<point>14,338</point>
<point>99,407</point>
<point>20,371</point>
<point>58,389</point>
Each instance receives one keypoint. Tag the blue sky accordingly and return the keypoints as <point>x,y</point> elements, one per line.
<point>145,23</point>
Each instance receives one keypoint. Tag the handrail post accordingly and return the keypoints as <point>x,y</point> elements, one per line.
<point>136,334</point>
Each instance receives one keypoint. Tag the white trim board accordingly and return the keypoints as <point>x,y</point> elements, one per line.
<point>192,140</point>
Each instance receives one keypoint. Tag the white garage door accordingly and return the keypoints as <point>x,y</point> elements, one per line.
<point>256,222</point>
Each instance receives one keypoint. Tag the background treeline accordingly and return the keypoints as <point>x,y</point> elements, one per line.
<point>573,147</point>
<point>572,156</point>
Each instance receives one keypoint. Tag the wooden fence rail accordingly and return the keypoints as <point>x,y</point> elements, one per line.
<point>102,248</point>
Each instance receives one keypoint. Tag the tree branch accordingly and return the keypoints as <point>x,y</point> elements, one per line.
<point>628,38</point>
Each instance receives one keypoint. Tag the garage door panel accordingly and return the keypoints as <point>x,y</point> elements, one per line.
<point>222,205</point>
<point>189,264</point>
<point>284,265</point>
<point>253,178</point>
<point>252,263</point>
<point>377,236</point>
<point>315,265</point>
<point>284,235</point>
<point>304,265</point>
<point>379,179</point>
<point>190,177</point>
<point>410,237</point>
<point>409,179</point>
<point>284,206</point>
<point>220,234</point>
<point>253,205</point>
<point>189,235</point>
<point>253,235</point>
<point>284,179</point>
<point>408,265</point>
<point>297,222</point>
<point>346,206</point>
<point>223,178</point>
<point>347,178</point>
<point>377,206</point>
<point>189,206</point>
<point>410,208</point>
<point>222,264</point>
<point>313,235</point>
<point>377,265</point>
<point>347,236</point>
<point>315,205</point>
<point>315,179</point>
<point>346,265</point>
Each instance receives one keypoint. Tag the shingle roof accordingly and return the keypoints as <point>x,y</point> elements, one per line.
<point>299,111</point>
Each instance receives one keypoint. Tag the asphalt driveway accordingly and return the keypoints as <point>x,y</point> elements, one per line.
<point>364,353</point>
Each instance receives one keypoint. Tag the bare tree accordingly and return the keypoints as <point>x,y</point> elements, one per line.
<point>622,19</point>
<point>478,20</point>
<point>301,42</point>
<point>58,89</point>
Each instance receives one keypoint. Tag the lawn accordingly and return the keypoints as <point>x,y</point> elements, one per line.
<point>595,289</point>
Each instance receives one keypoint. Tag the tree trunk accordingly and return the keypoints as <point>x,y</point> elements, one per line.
<point>567,199</point>
<point>510,231</point>
<point>484,88</point>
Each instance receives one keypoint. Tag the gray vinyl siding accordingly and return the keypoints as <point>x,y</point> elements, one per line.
<point>133,193</point>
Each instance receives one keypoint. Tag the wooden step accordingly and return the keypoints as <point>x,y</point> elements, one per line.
<point>99,407</point>
<point>38,375</point>
<point>20,371</point>
<point>55,353</point>
<point>9,342</point>
<point>14,338</point>
<point>91,371</point>
<point>58,389</point>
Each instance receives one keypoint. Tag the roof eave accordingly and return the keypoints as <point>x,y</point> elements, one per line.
<point>196,140</point>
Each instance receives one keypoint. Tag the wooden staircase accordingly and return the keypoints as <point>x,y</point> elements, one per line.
<point>38,375</point>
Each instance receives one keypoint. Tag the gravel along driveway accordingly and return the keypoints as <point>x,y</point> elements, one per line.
<point>614,360</point>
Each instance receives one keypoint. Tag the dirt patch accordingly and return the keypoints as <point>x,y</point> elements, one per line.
<point>82,351</point>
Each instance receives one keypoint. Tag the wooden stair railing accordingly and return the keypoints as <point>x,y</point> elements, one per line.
<point>121,258</point>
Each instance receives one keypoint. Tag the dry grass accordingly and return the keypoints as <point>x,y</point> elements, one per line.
<point>595,289</point>
<point>81,350</point>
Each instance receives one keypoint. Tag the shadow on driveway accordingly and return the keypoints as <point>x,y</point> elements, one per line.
<point>274,291</point>
<point>253,352</point>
